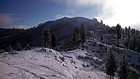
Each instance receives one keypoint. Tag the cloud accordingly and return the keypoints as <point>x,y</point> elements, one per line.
<point>9,21</point>
<point>21,26</point>
<point>5,19</point>
<point>86,2</point>
<point>125,12</point>
<point>58,16</point>
<point>82,2</point>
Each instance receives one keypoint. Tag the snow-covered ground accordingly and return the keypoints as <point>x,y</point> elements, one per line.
<point>37,64</point>
<point>47,63</point>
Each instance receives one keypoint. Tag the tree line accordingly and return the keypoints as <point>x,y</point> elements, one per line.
<point>130,36</point>
<point>132,40</point>
<point>9,31</point>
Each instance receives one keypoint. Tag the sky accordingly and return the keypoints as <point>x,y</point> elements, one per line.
<point>29,13</point>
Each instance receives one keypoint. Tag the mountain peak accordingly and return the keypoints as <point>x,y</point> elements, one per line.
<point>62,27</point>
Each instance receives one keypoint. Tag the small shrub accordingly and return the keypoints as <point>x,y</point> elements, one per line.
<point>9,49</point>
<point>13,52</point>
<point>72,61</point>
<point>85,65</point>
<point>18,47</point>
<point>42,78</point>
<point>80,57</point>
<point>93,44</point>
<point>88,54</point>
<point>100,45</point>
<point>62,58</point>
<point>129,56</point>
<point>2,51</point>
<point>27,47</point>
<point>87,57</point>
<point>133,65</point>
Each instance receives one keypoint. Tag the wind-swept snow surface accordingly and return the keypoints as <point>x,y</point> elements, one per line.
<point>37,64</point>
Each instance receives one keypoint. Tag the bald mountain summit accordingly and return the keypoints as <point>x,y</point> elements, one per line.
<point>70,48</point>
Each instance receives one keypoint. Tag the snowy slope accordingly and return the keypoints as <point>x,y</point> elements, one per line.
<point>37,64</point>
<point>50,64</point>
<point>94,46</point>
<point>99,50</point>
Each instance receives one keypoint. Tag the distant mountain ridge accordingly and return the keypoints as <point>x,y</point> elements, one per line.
<point>62,27</point>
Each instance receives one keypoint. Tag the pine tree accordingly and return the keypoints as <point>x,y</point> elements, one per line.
<point>138,48</point>
<point>126,31</point>
<point>111,66</point>
<point>101,37</point>
<point>134,42</point>
<point>123,71</point>
<point>75,37</point>
<point>128,37</point>
<point>9,48</point>
<point>82,34</point>
<point>27,47</point>
<point>132,74</point>
<point>118,32</point>
<point>126,71</point>
<point>47,38</point>
<point>126,44</point>
<point>18,47</point>
<point>79,36</point>
<point>133,31</point>
<point>53,40</point>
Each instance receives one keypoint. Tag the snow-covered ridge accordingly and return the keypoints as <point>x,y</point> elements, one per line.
<point>38,64</point>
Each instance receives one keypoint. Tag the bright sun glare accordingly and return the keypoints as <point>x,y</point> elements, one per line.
<point>124,12</point>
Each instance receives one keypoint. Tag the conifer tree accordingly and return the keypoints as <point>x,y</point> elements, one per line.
<point>75,37</point>
<point>138,48</point>
<point>101,37</point>
<point>134,42</point>
<point>126,31</point>
<point>123,71</point>
<point>79,36</point>
<point>111,66</point>
<point>126,71</point>
<point>132,74</point>
<point>27,47</point>
<point>128,37</point>
<point>47,38</point>
<point>82,34</point>
<point>18,46</point>
<point>9,48</point>
<point>126,44</point>
<point>118,32</point>
<point>53,40</point>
